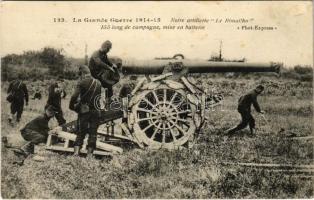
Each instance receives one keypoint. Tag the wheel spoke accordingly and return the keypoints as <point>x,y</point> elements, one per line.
<point>178,105</point>
<point>155,95</point>
<point>172,133</point>
<point>145,110</point>
<point>179,128</point>
<point>156,130</point>
<point>157,124</point>
<point>147,127</point>
<point>165,96</point>
<point>184,111</point>
<point>163,133</point>
<point>145,119</point>
<point>155,121</point>
<point>147,101</point>
<point>172,120</point>
<point>183,120</point>
<point>173,97</point>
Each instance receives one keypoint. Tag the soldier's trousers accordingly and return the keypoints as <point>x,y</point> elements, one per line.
<point>17,108</point>
<point>247,119</point>
<point>109,89</point>
<point>105,85</point>
<point>33,137</point>
<point>87,123</point>
<point>59,117</point>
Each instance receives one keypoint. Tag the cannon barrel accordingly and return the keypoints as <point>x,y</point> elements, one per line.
<point>192,66</point>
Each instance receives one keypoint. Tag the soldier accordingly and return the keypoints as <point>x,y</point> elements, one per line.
<point>127,87</point>
<point>244,108</point>
<point>83,103</point>
<point>126,90</point>
<point>55,93</point>
<point>37,94</point>
<point>34,132</point>
<point>17,93</point>
<point>102,69</point>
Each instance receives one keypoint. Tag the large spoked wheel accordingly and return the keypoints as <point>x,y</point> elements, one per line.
<point>163,117</point>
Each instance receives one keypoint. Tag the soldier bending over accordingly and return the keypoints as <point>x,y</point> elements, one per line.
<point>35,132</point>
<point>244,108</point>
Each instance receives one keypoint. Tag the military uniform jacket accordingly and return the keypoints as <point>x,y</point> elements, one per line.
<point>126,89</point>
<point>39,124</point>
<point>54,98</point>
<point>98,62</point>
<point>19,90</point>
<point>87,91</point>
<point>247,100</point>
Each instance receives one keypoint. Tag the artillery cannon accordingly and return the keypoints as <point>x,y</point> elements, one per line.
<point>165,110</point>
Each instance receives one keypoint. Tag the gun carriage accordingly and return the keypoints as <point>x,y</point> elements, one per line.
<point>164,110</point>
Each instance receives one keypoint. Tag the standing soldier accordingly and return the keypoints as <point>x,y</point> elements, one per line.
<point>83,102</point>
<point>102,69</point>
<point>17,93</point>
<point>55,93</point>
<point>126,90</point>
<point>244,108</point>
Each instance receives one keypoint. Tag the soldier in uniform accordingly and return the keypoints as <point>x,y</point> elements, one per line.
<point>127,87</point>
<point>244,108</point>
<point>55,93</point>
<point>87,91</point>
<point>37,94</point>
<point>17,93</point>
<point>35,132</point>
<point>102,69</point>
<point>126,90</point>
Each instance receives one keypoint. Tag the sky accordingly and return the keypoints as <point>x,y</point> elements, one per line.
<point>30,26</point>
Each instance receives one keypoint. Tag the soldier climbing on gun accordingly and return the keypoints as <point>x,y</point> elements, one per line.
<point>102,69</point>
<point>244,108</point>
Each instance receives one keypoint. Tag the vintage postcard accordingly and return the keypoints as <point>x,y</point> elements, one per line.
<point>167,100</point>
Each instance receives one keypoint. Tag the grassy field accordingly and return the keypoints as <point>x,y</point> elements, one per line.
<point>198,172</point>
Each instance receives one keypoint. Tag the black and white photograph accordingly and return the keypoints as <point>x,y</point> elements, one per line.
<point>157,99</point>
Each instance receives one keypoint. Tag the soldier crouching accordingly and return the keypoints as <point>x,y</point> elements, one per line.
<point>244,108</point>
<point>34,132</point>
<point>83,103</point>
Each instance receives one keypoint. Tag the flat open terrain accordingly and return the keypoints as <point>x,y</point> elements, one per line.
<point>208,170</point>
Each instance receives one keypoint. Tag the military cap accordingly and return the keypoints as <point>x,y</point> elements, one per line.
<point>83,69</point>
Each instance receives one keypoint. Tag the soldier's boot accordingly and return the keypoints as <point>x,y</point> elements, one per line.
<point>76,150</point>
<point>253,131</point>
<point>90,151</point>
<point>10,119</point>
<point>25,150</point>
<point>5,142</point>
<point>231,131</point>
